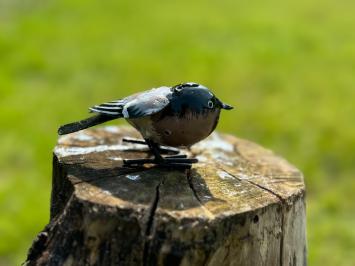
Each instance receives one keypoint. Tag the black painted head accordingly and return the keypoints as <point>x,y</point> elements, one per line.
<point>195,97</point>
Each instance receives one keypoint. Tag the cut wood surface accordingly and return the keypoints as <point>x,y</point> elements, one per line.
<point>240,205</point>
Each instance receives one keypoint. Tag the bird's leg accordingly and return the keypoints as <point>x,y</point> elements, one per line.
<point>175,161</point>
<point>133,140</point>
<point>162,149</point>
<point>154,148</point>
<point>169,160</point>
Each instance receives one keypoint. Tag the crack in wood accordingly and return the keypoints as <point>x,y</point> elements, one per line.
<point>150,222</point>
<point>282,234</point>
<point>268,190</point>
<point>191,185</point>
<point>255,184</point>
<point>282,202</point>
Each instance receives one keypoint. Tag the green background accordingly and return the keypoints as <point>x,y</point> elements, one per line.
<point>288,66</point>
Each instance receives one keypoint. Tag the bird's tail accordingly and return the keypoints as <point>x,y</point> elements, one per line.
<point>86,123</point>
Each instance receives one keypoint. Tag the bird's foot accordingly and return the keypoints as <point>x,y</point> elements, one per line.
<point>161,149</point>
<point>179,161</point>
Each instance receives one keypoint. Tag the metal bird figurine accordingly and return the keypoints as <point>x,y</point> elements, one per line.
<point>176,116</point>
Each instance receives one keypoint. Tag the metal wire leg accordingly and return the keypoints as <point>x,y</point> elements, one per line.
<point>162,149</point>
<point>179,161</point>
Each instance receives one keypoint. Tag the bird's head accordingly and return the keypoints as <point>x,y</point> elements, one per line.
<point>195,97</point>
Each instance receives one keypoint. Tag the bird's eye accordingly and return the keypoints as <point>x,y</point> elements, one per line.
<point>210,104</point>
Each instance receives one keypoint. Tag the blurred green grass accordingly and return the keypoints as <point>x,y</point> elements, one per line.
<point>289,67</point>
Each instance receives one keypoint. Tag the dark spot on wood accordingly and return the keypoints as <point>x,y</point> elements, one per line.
<point>256,219</point>
<point>91,238</point>
<point>173,259</point>
<point>294,262</point>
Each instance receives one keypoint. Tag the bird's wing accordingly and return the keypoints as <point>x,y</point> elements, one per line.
<point>137,105</point>
<point>147,103</point>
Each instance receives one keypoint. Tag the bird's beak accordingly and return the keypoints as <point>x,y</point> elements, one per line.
<point>227,106</point>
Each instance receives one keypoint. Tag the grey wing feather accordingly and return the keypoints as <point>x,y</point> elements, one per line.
<point>137,105</point>
<point>147,103</point>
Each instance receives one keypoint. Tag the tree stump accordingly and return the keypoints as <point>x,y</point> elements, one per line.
<point>240,205</point>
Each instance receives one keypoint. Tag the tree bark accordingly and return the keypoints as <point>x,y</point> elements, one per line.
<point>240,205</point>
